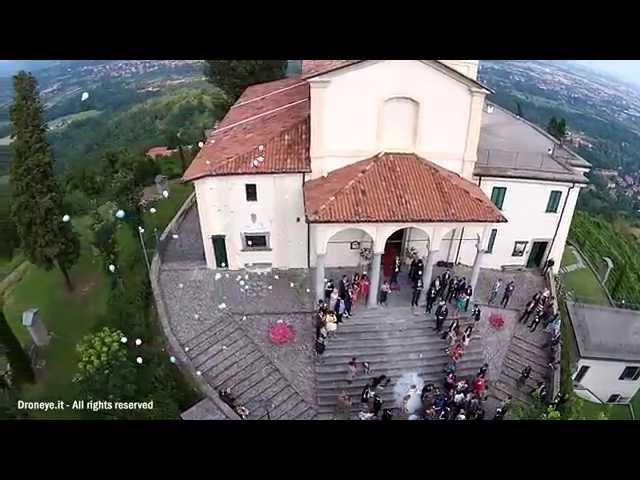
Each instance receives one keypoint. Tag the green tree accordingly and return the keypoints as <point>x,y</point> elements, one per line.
<point>21,370</point>
<point>105,371</point>
<point>557,128</point>
<point>37,204</point>
<point>233,76</point>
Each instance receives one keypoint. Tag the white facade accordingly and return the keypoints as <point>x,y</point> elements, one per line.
<point>278,212</point>
<point>602,380</point>
<point>524,206</point>
<point>357,112</point>
<point>393,106</point>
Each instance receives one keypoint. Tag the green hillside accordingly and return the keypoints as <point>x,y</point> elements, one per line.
<point>597,237</point>
<point>189,110</point>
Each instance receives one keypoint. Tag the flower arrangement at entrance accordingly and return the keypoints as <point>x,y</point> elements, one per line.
<point>411,253</point>
<point>281,333</point>
<point>366,254</point>
<point>496,321</point>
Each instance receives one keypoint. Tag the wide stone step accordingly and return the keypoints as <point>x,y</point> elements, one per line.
<point>251,376</point>
<point>211,338</point>
<point>232,370</point>
<point>214,346</point>
<point>283,404</point>
<point>263,389</point>
<point>504,390</point>
<point>531,342</point>
<point>309,414</point>
<point>293,411</point>
<point>390,357</point>
<point>433,370</point>
<point>211,326</point>
<point>237,349</point>
<point>516,363</point>
<point>280,402</point>
<point>510,378</point>
<point>532,358</point>
<point>345,348</point>
<point>386,328</point>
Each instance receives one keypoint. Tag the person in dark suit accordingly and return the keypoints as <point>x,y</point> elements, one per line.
<point>441,315</point>
<point>469,292</point>
<point>417,291</point>
<point>432,294</point>
<point>342,287</point>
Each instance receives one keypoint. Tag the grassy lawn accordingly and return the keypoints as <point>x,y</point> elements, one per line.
<point>585,287</point>
<point>592,411</point>
<point>70,316</point>
<point>583,283</point>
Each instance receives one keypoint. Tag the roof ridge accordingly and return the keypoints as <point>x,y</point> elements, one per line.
<point>235,157</point>
<point>350,183</point>
<point>255,117</point>
<point>297,84</point>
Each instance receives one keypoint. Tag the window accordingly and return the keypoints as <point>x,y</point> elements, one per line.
<point>519,248</point>
<point>497,196</point>
<point>255,241</point>
<point>252,192</point>
<point>554,201</point>
<point>581,373</point>
<point>630,373</point>
<point>614,398</point>
<point>492,240</point>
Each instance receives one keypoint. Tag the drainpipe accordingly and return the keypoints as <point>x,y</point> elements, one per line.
<point>459,246</point>
<point>566,199</point>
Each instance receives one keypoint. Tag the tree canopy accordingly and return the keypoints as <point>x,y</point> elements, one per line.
<point>557,128</point>
<point>37,204</point>
<point>233,76</point>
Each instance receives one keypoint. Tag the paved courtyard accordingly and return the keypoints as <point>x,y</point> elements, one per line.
<point>197,300</point>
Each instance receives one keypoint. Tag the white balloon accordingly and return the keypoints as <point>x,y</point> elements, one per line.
<point>139,360</point>
<point>198,372</point>
<point>66,218</point>
<point>152,210</point>
<point>123,339</point>
<point>141,230</point>
<point>172,359</point>
<point>138,342</point>
<point>165,194</point>
<point>292,284</point>
<point>112,268</point>
<point>200,144</point>
<point>120,213</point>
<point>85,96</point>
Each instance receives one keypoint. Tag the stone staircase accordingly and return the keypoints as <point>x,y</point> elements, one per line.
<point>394,342</point>
<point>227,357</point>
<point>525,349</point>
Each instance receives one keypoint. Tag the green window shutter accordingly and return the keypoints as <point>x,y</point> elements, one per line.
<point>492,240</point>
<point>554,201</point>
<point>497,196</point>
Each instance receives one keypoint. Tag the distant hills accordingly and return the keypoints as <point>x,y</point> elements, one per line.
<point>11,67</point>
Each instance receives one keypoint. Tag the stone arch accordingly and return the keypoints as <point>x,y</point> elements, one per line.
<point>398,124</point>
<point>340,246</point>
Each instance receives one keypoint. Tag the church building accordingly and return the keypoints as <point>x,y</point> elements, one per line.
<point>355,162</point>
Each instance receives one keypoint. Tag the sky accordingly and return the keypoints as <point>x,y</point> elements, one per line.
<point>628,70</point>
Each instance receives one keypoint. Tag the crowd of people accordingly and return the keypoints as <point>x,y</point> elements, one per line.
<point>457,398</point>
<point>338,304</point>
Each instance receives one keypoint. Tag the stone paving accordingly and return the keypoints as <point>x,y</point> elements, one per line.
<point>197,298</point>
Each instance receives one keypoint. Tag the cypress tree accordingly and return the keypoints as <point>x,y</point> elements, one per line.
<point>17,357</point>
<point>36,207</point>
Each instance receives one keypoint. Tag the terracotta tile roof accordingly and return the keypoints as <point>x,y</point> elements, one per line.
<point>275,116</point>
<point>159,152</point>
<point>396,187</point>
<point>312,68</point>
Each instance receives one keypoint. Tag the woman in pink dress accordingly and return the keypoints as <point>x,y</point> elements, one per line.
<point>355,289</point>
<point>364,287</point>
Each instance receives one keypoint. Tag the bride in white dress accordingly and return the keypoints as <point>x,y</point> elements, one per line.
<point>410,384</point>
